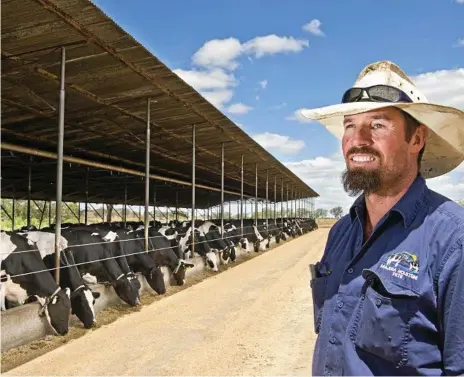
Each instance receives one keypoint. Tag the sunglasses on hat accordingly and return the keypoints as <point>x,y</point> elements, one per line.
<point>376,93</point>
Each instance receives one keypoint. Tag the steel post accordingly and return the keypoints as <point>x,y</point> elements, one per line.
<point>13,210</point>
<point>59,167</point>
<point>267,197</point>
<point>147,174</point>
<point>125,204</point>
<point>193,187</point>
<point>256,194</point>
<point>222,189</point>
<point>29,189</point>
<point>241,198</point>
<point>282,203</point>
<point>275,200</point>
<point>86,209</point>
<point>287,203</point>
<point>154,200</point>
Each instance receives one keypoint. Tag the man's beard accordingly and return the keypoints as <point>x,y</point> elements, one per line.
<point>357,180</point>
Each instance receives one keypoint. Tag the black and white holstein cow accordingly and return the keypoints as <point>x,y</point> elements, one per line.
<point>253,238</point>
<point>161,250</point>
<point>132,245</point>
<point>97,263</point>
<point>213,235</point>
<point>186,238</point>
<point>82,297</point>
<point>24,274</point>
<point>104,231</point>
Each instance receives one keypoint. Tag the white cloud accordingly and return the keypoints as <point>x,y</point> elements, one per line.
<point>215,85</point>
<point>219,97</point>
<point>207,80</point>
<point>222,53</point>
<point>273,44</point>
<point>218,57</point>
<point>218,53</point>
<point>460,42</point>
<point>314,27</point>
<point>239,108</point>
<point>279,143</point>
<point>443,87</point>
<point>460,1</point>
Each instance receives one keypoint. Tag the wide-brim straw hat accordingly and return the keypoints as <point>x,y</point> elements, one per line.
<point>444,148</point>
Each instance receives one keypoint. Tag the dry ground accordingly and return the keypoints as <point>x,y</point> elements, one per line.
<point>253,319</point>
<point>325,223</point>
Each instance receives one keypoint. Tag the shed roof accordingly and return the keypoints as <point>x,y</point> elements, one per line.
<point>109,79</point>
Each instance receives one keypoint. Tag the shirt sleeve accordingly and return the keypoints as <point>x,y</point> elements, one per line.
<point>451,303</point>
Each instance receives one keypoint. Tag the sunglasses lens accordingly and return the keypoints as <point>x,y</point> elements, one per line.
<point>385,93</point>
<point>352,95</point>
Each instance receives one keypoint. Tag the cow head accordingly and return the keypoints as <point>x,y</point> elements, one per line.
<point>211,261</point>
<point>179,271</point>
<point>56,308</point>
<point>133,280</point>
<point>126,291</point>
<point>82,305</point>
<point>155,280</point>
<point>201,243</point>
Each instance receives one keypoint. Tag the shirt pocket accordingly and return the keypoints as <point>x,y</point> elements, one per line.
<point>318,288</point>
<point>381,324</point>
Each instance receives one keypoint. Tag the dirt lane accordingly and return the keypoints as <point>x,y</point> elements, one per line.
<point>254,319</point>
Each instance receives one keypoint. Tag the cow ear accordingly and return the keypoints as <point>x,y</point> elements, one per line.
<point>96,295</point>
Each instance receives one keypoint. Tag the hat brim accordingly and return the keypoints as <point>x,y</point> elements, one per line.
<point>444,148</point>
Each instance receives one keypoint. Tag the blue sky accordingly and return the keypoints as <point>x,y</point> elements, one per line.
<point>260,61</point>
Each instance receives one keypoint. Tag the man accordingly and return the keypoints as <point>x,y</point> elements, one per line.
<point>388,293</point>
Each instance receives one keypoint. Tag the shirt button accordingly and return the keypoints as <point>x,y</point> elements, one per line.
<point>340,304</point>
<point>350,270</point>
<point>332,340</point>
<point>378,302</point>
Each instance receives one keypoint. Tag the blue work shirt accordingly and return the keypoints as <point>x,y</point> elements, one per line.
<point>393,305</point>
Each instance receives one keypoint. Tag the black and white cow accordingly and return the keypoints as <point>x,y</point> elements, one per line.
<point>233,234</point>
<point>97,263</point>
<point>162,252</point>
<point>24,274</point>
<point>213,235</point>
<point>133,246</point>
<point>116,247</point>
<point>186,238</point>
<point>254,237</point>
<point>82,297</point>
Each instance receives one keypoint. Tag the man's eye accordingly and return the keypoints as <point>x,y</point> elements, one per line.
<point>377,125</point>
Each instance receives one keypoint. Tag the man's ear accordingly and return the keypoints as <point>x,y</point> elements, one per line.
<point>419,138</point>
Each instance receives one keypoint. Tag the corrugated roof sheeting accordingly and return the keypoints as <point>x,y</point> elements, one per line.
<point>109,78</point>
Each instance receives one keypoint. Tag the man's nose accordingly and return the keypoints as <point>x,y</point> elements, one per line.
<point>361,136</point>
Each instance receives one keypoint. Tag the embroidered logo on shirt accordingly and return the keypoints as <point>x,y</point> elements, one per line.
<point>402,265</point>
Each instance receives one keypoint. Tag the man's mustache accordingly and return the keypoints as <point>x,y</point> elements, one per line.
<point>362,150</point>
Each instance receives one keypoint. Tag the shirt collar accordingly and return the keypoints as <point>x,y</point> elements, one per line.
<point>408,206</point>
